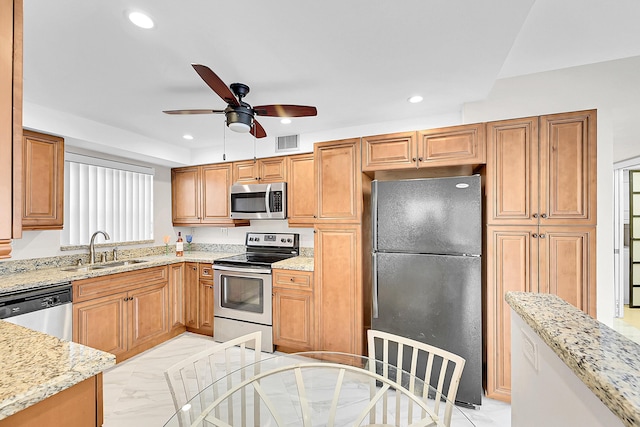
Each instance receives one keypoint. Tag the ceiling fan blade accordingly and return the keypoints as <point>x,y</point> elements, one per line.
<point>215,83</point>
<point>284,110</point>
<point>193,111</point>
<point>257,130</point>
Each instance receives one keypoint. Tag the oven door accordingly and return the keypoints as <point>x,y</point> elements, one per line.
<point>243,294</point>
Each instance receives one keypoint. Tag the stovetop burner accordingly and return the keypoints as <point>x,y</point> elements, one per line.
<point>264,249</point>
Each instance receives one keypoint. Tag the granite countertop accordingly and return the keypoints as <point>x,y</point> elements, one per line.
<point>35,366</point>
<point>606,361</point>
<point>42,278</point>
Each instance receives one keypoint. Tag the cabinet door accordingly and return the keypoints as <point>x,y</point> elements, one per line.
<point>568,168</point>
<point>452,146</point>
<point>568,264</point>
<point>216,180</point>
<point>246,172</point>
<point>148,313</point>
<point>338,180</point>
<point>206,307</point>
<point>191,295</point>
<point>512,172</point>
<point>338,288</point>
<point>176,295</point>
<point>393,151</point>
<point>101,323</point>
<point>293,319</point>
<point>272,170</point>
<point>511,266</point>
<point>301,191</point>
<point>43,181</point>
<point>185,195</point>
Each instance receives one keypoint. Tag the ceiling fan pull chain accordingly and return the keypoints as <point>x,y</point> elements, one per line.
<point>224,140</point>
<point>254,142</point>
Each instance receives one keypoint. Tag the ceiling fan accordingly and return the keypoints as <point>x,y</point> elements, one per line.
<point>239,114</point>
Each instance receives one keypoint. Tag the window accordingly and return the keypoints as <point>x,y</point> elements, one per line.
<point>109,196</point>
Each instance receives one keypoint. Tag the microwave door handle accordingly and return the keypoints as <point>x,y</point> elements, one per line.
<point>267,198</point>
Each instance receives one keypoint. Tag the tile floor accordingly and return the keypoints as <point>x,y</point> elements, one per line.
<point>136,394</point>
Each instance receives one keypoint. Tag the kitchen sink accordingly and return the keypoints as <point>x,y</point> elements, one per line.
<point>81,268</point>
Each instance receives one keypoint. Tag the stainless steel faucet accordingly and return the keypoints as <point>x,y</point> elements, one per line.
<point>92,251</point>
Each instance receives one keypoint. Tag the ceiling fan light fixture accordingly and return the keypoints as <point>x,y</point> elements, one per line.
<point>239,120</point>
<point>141,20</point>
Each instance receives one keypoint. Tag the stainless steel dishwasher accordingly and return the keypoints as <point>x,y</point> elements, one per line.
<point>47,310</point>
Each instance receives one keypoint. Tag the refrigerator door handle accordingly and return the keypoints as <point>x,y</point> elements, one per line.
<point>374,293</point>
<point>374,215</point>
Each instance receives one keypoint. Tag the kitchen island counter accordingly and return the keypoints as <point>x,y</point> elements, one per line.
<point>35,366</point>
<point>601,359</point>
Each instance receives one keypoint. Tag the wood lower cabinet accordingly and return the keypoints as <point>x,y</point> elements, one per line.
<point>200,196</point>
<point>338,181</point>
<point>11,28</point>
<point>123,313</point>
<point>553,259</point>
<point>43,181</point>
<point>77,406</point>
<point>338,286</point>
<point>199,298</point>
<point>293,310</point>
<point>301,193</point>
<point>177,296</point>
<point>260,171</point>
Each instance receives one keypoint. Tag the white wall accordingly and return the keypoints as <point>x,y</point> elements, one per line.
<point>609,87</point>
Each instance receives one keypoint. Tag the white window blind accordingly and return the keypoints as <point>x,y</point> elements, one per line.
<point>108,196</point>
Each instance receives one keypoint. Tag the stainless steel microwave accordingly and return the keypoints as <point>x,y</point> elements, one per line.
<point>259,201</point>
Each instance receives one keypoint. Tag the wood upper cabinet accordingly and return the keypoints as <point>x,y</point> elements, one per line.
<point>338,287</point>
<point>260,171</point>
<point>338,181</point>
<point>452,146</point>
<point>10,123</point>
<point>200,196</point>
<point>388,152</point>
<point>293,310</point>
<point>43,181</point>
<point>301,193</point>
<point>542,170</point>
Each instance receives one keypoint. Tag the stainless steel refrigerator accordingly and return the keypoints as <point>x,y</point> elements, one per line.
<point>427,272</point>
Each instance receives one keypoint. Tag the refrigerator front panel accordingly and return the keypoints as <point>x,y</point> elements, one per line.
<point>435,299</point>
<point>438,215</point>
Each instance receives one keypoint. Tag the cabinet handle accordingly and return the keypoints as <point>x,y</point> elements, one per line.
<point>414,159</point>
<point>419,159</point>
<point>535,215</point>
<point>543,215</point>
<point>292,279</point>
<point>542,236</point>
<point>534,235</point>
<point>315,216</point>
<point>194,268</point>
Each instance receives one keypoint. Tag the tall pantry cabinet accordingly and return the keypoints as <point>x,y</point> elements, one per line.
<point>541,222</point>
<point>10,123</point>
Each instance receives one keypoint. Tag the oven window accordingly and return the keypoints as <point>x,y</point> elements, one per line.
<point>248,202</point>
<point>242,293</point>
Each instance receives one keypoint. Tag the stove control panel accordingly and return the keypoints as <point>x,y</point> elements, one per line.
<point>274,240</point>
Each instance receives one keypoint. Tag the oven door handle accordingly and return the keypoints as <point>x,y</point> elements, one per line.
<point>241,270</point>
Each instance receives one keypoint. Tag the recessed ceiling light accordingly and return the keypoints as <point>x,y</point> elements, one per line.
<point>187,136</point>
<point>285,121</point>
<point>415,99</point>
<point>141,20</point>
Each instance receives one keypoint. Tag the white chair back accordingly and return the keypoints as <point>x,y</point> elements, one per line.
<point>439,368</point>
<point>197,375</point>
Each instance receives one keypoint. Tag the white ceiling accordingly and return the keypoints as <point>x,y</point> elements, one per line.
<point>357,61</point>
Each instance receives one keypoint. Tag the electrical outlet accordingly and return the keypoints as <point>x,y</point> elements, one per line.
<point>224,231</point>
<point>530,350</point>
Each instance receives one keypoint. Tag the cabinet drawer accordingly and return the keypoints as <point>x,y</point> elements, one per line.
<point>293,279</point>
<point>205,271</point>
<point>87,289</point>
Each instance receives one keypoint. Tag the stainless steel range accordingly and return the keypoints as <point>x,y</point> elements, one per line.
<point>243,286</point>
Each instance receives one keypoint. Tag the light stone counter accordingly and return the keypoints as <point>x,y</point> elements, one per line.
<point>300,263</point>
<point>35,366</point>
<point>604,360</point>
<point>42,278</point>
